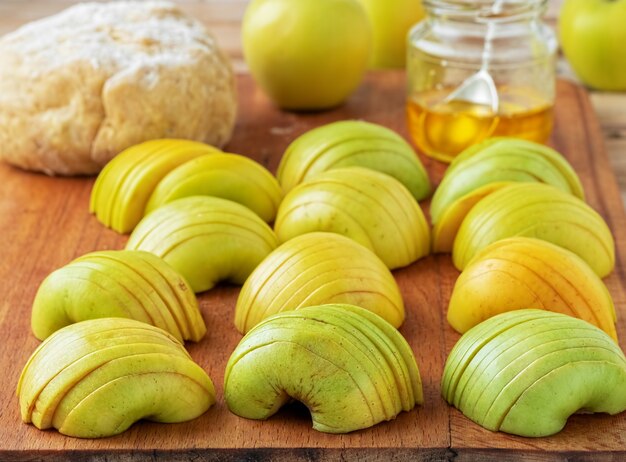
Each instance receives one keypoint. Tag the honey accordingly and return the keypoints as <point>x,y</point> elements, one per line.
<point>443,129</point>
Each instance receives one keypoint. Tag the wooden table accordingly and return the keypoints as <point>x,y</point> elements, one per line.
<point>32,245</point>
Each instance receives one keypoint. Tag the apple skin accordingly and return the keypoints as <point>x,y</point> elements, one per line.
<point>307,54</point>
<point>593,38</point>
<point>391,22</point>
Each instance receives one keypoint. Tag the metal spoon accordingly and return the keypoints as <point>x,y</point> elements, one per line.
<point>480,89</point>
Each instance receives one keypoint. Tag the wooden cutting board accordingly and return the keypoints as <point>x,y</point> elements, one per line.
<point>45,223</point>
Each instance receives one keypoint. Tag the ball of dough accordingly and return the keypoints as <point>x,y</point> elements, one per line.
<point>79,87</point>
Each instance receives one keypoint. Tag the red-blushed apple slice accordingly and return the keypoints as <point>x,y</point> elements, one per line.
<point>497,284</point>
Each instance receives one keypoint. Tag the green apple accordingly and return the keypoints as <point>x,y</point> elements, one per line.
<point>391,21</point>
<point>307,54</point>
<point>593,38</point>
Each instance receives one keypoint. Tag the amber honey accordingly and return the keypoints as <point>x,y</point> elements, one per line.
<point>443,129</point>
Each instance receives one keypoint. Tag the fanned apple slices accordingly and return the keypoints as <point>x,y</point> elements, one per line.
<point>96,378</point>
<point>229,176</point>
<point>525,372</point>
<point>522,272</point>
<point>118,283</point>
<point>124,185</point>
<point>352,143</point>
<point>150,174</point>
<point>486,167</point>
<point>347,365</point>
<point>540,211</point>
<point>206,239</point>
<point>316,269</point>
<point>370,207</point>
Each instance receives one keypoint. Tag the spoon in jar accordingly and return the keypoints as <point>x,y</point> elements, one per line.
<point>480,89</point>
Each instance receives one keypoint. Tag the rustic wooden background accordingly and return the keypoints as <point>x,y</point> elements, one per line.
<point>224,17</point>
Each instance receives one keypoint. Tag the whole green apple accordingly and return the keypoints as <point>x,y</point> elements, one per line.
<point>391,21</point>
<point>307,54</point>
<point>593,38</point>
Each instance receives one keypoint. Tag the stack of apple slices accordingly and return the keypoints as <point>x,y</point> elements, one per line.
<point>486,167</point>
<point>525,372</point>
<point>370,207</point>
<point>352,143</point>
<point>523,272</point>
<point>317,269</point>
<point>118,283</point>
<point>347,365</point>
<point>540,211</point>
<point>206,239</point>
<point>150,174</point>
<point>96,378</point>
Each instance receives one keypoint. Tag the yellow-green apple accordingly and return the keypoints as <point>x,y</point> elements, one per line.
<point>307,54</point>
<point>391,22</point>
<point>592,36</point>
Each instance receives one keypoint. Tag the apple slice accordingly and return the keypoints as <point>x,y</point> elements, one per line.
<point>540,211</point>
<point>523,272</point>
<point>229,176</point>
<point>206,239</point>
<point>528,378</point>
<point>372,208</point>
<point>353,143</point>
<point>314,269</point>
<point>124,185</point>
<point>95,378</point>
<point>113,283</point>
<point>329,364</point>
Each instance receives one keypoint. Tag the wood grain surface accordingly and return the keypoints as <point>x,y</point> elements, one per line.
<point>45,223</point>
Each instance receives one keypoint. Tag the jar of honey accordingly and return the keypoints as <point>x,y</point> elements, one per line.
<point>458,38</point>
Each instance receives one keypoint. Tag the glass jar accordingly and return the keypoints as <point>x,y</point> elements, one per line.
<point>448,47</point>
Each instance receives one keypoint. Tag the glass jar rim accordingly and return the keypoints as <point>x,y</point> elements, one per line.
<point>484,11</point>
